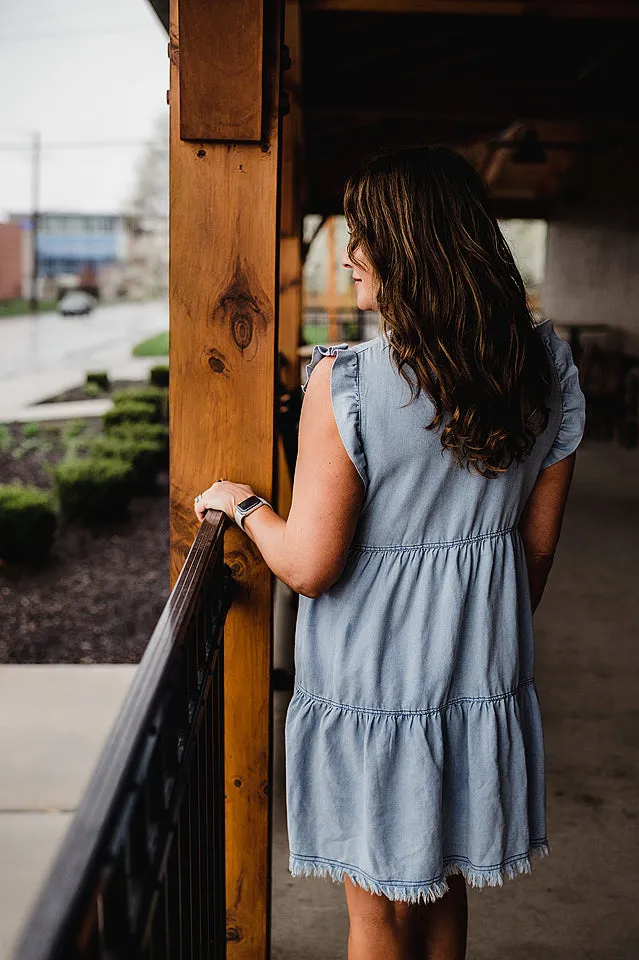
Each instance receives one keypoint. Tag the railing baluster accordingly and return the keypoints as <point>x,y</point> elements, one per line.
<point>197,762</point>
<point>218,904</point>
<point>208,839</point>
<point>140,872</point>
<point>173,900</point>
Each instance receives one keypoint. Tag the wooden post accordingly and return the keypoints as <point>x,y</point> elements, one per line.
<point>290,234</point>
<point>331,288</point>
<point>223,289</point>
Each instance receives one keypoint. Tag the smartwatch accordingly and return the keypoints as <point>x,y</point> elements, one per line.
<point>248,506</point>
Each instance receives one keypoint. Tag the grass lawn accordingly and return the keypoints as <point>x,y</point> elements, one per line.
<point>18,308</point>
<point>318,332</point>
<point>157,346</point>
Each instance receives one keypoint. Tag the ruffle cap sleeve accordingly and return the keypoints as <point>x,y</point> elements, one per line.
<point>345,398</point>
<point>573,401</point>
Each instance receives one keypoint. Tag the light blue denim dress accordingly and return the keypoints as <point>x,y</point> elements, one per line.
<point>414,745</point>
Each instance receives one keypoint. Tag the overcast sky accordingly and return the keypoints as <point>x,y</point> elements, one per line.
<point>78,71</point>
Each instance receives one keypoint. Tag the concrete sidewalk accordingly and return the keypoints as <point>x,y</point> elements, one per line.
<point>73,410</point>
<point>54,722</point>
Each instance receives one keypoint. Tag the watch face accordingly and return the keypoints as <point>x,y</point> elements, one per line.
<point>248,503</point>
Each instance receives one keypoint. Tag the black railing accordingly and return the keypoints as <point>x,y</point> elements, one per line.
<point>141,870</point>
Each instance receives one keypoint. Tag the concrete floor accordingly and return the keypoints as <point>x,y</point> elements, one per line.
<point>579,904</point>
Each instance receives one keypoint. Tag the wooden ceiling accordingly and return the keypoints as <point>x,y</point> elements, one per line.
<point>473,74</point>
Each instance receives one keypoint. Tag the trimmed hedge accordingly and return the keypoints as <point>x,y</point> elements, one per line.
<point>156,396</point>
<point>96,490</point>
<point>159,375</point>
<point>146,457</point>
<point>130,412</point>
<point>27,524</point>
<point>158,432</point>
<point>100,378</point>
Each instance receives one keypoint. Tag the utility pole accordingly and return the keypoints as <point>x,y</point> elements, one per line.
<point>35,218</point>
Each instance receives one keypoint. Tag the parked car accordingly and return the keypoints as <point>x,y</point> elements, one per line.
<point>76,303</point>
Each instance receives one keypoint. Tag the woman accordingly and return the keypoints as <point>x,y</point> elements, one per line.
<point>433,468</point>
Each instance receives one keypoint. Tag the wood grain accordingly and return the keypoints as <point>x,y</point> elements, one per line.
<point>223,290</point>
<point>221,70</point>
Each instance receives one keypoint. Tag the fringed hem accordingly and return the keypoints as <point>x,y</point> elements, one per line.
<point>413,892</point>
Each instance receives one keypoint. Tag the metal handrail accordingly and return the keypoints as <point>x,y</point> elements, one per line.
<point>140,871</point>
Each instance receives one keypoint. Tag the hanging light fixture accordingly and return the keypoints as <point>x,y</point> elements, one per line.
<point>528,149</point>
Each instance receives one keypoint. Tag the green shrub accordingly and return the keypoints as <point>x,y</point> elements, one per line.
<point>130,412</point>
<point>158,432</point>
<point>147,394</point>
<point>96,490</point>
<point>92,390</point>
<point>73,429</point>
<point>100,378</point>
<point>30,430</point>
<point>27,524</point>
<point>159,375</point>
<point>146,457</point>
<point>6,440</point>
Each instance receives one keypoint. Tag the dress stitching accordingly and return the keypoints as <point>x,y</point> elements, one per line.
<point>360,415</point>
<point>448,859</point>
<point>434,543</point>
<point>561,392</point>
<point>549,350</point>
<point>429,711</point>
<point>362,348</point>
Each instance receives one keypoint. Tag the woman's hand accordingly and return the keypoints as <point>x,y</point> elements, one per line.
<point>222,495</point>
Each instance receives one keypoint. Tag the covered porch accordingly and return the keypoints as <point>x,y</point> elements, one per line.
<point>178,847</point>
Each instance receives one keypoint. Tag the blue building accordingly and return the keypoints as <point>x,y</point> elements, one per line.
<point>68,243</point>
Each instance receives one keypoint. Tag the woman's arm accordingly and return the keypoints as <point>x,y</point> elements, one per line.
<point>541,520</point>
<point>308,551</point>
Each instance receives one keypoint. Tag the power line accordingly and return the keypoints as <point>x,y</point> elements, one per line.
<point>82,144</point>
<point>25,38</point>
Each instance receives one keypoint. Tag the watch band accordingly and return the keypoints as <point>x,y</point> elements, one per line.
<point>241,511</point>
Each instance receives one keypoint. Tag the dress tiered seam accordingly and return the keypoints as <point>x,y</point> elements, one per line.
<point>300,690</point>
<point>434,544</point>
<point>431,888</point>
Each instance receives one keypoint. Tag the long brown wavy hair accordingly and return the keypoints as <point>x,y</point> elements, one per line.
<point>453,302</point>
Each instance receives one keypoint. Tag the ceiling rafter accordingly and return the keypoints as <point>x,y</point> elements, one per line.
<point>599,9</point>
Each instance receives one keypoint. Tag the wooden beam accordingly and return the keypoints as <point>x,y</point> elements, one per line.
<point>478,105</point>
<point>509,208</point>
<point>221,69</point>
<point>223,293</point>
<point>604,9</point>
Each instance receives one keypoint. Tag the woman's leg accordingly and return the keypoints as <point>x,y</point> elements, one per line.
<point>380,929</point>
<point>442,926</point>
<point>383,929</point>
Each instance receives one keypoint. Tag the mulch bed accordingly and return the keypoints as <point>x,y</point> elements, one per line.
<point>100,595</point>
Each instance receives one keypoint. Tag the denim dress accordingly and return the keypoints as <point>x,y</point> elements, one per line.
<point>414,745</point>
